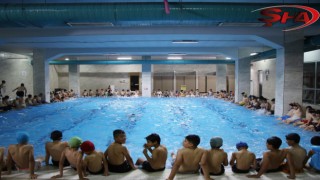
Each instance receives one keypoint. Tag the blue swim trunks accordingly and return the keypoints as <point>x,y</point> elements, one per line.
<point>285,117</point>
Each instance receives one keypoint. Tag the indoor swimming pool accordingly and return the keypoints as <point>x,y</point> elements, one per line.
<point>172,118</point>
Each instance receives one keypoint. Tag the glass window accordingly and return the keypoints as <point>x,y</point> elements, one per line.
<point>309,75</point>
<point>318,75</point>
<point>308,96</point>
<point>318,98</point>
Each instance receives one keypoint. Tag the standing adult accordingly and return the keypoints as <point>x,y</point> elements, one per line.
<point>21,90</point>
<point>2,88</point>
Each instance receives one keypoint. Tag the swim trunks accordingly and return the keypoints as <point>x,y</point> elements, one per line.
<point>56,163</point>
<point>146,166</point>
<point>122,168</point>
<point>268,171</point>
<point>236,170</point>
<point>216,174</point>
<point>20,93</point>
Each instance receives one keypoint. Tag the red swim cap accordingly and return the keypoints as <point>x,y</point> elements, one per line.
<point>87,146</point>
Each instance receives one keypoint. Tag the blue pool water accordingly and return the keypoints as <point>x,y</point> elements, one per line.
<point>172,118</point>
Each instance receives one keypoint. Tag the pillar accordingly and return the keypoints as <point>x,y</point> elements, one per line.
<point>197,79</point>
<point>74,82</point>
<point>174,82</point>
<point>41,79</point>
<point>242,78</point>
<point>221,77</point>
<point>146,80</point>
<point>289,72</point>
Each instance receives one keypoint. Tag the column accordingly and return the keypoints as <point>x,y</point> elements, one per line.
<point>74,82</point>
<point>41,79</point>
<point>289,72</point>
<point>221,80</point>
<point>174,82</point>
<point>197,79</point>
<point>242,78</point>
<point>146,80</point>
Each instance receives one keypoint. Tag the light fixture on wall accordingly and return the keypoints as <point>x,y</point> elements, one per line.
<point>267,73</point>
<point>124,58</point>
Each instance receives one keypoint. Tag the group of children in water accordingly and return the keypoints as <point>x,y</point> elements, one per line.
<point>84,159</point>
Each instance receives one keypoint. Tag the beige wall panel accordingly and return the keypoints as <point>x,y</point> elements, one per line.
<point>180,81</point>
<point>190,81</point>
<point>202,83</point>
<point>157,81</point>
<point>167,83</point>
<point>211,83</point>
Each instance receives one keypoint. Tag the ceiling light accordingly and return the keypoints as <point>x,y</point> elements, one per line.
<point>232,24</point>
<point>177,54</point>
<point>185,41</point>
<point>84,24</point>
<point>67,59</point>
<point>253,54</point>
<point>228,58</point>
<point>174,58</point>
<point>124,58</point>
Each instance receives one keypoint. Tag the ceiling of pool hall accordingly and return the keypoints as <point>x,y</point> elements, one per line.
<point>141,29</point>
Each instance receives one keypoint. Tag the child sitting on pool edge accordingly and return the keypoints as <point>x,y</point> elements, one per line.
<point>55,148</point>
<point>22,156</point>
<point>190,158</point>
<point>314,154</point>
<point>243,160</point>
<point>273,159</point>
<point>72,155</point>
<point>216,157</point>
<point>117,155</point>
<point>94,162</point>
<point>157,162</point>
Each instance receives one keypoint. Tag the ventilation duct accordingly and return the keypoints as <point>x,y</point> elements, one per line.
<point>127,14</point>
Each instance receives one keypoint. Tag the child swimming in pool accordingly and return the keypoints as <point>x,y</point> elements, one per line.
<point>243,160</point>
<point>273,159</point>
<point>190,158</point>
<point>157,162</point>
<point>72,155</point>
<point>117,155</point>
<point>94,162</point>
<point>216,157</point>
<point>55,148</point>
<point>22,156</point>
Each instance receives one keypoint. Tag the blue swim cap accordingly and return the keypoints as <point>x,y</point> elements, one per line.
<point>22,137</point>
<point>241,144</point>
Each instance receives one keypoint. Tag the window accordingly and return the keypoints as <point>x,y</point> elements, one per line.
<point>311,83</point>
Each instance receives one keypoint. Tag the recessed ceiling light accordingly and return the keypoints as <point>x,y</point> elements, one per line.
<point>228,58</point>
<point>124,58</point>
<point>177,54</point>
<point>174,58</point>
<point>253,53</point>
<point>86,24</point>
<point>67,59</point>
<point>185,41</point>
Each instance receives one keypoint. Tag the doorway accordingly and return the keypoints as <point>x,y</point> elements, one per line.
<point>134,82</point>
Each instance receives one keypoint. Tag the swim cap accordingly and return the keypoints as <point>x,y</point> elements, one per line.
<point>22,137</point>
<point>87,146</point>
<point>75,142</point>
<point>241,144</point>
<point>216,142</point>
